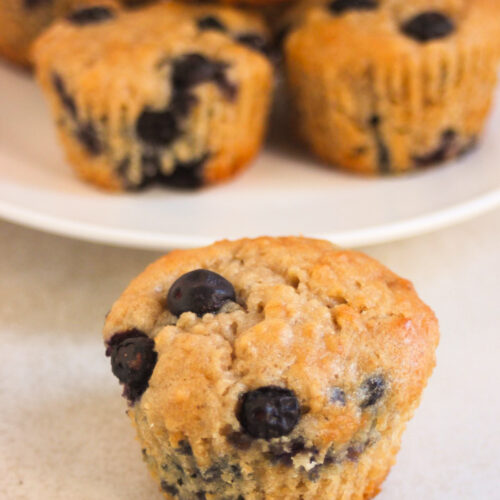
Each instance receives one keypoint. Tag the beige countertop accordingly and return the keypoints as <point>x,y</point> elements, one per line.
<point>63,431</point>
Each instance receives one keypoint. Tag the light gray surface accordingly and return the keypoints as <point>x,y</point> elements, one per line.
<point>63,432</point>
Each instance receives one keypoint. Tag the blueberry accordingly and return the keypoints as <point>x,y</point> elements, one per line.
<point>181,103</point>
<point>158,128</point>
<point>30,4</point>
<point>87,135</point>
<point>184,448</point>
<point>133,359</point>
<point>269,412</point>
<point>372,390</point>
<point>383,153</point>
<point>186,175</point>
<point>67,101</point>
<point>341,6</point>
<point>446,148</point>
<point>211,23</point>
<point>171,489</point>
<point>337,396</point>
<point>200,291</point>
<point>254,41</point>
<point>427,26</point>
<point>194,69</point>
<point>91,15</point>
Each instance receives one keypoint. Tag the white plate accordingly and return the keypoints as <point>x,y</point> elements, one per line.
<point>284,192</point>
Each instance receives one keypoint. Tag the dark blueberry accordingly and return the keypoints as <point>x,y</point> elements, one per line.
<point>236,471</point>
<point>133,359</point>
<point>254,41</point>
<point>213,473</point>
<point>211,23</point>
<point>354,451</point>
<point>181,103</point>
<point>194,69</point>
<point>313,474</point>
<point>184,448</point>
<point>383,153</point>
<point>200,291</point>
<point>427,26</point>
<point>372,390</point>
<point>87,135</point>
<point>67,101</point>
<point>281,35</point>
<point>337,396</point>
<point>200,495</point>
<point>158,128</point>
<point>31,4</point>
<point>446,149</point>
<point>269,412</point>
<point>91,15</point>
<point>341,6</point>
<point>171,489</point>
<point>330,457</point>
<point>186,175</point>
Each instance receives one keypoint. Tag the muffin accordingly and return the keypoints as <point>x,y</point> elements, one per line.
<point>21,21</point>
<point>273,368</point>
<point>390,86</point>
<point>171,94</point>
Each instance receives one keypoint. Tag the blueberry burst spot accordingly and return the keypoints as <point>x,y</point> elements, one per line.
<point>158,128</point>
<point>66,99</point>
<point>195,69</point>
<point>211,23</point>
<point>90,15</point>
<point>269,412</point>
<point>372,390</point>
<point>200,291</point>
<point>133,359</point>
<point>254,41</point>
<point>30,4</point>
<point>341,6</point>
<point>87,135</point>
<point>447,148</point>
<point>428,26</point>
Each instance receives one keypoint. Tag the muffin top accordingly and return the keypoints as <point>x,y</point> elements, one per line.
<point>103,41</point>
<point>270,340</point>
<point>384,29</point>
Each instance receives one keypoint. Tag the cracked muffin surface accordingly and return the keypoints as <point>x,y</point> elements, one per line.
<point>389,86</point>
<point>297,384</point>
<point>170,94</point>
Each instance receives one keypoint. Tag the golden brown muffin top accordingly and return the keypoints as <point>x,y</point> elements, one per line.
<point>349,30</point>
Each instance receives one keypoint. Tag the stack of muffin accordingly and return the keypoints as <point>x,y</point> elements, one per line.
<point>179,94</point>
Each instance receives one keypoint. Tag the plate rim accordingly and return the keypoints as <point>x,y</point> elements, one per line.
<point>147,240</point>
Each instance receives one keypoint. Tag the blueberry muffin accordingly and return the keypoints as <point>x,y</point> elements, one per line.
<point>171,94</point>
<point>21,21</point>
<point>389,86</point>
<point>274,368</point>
